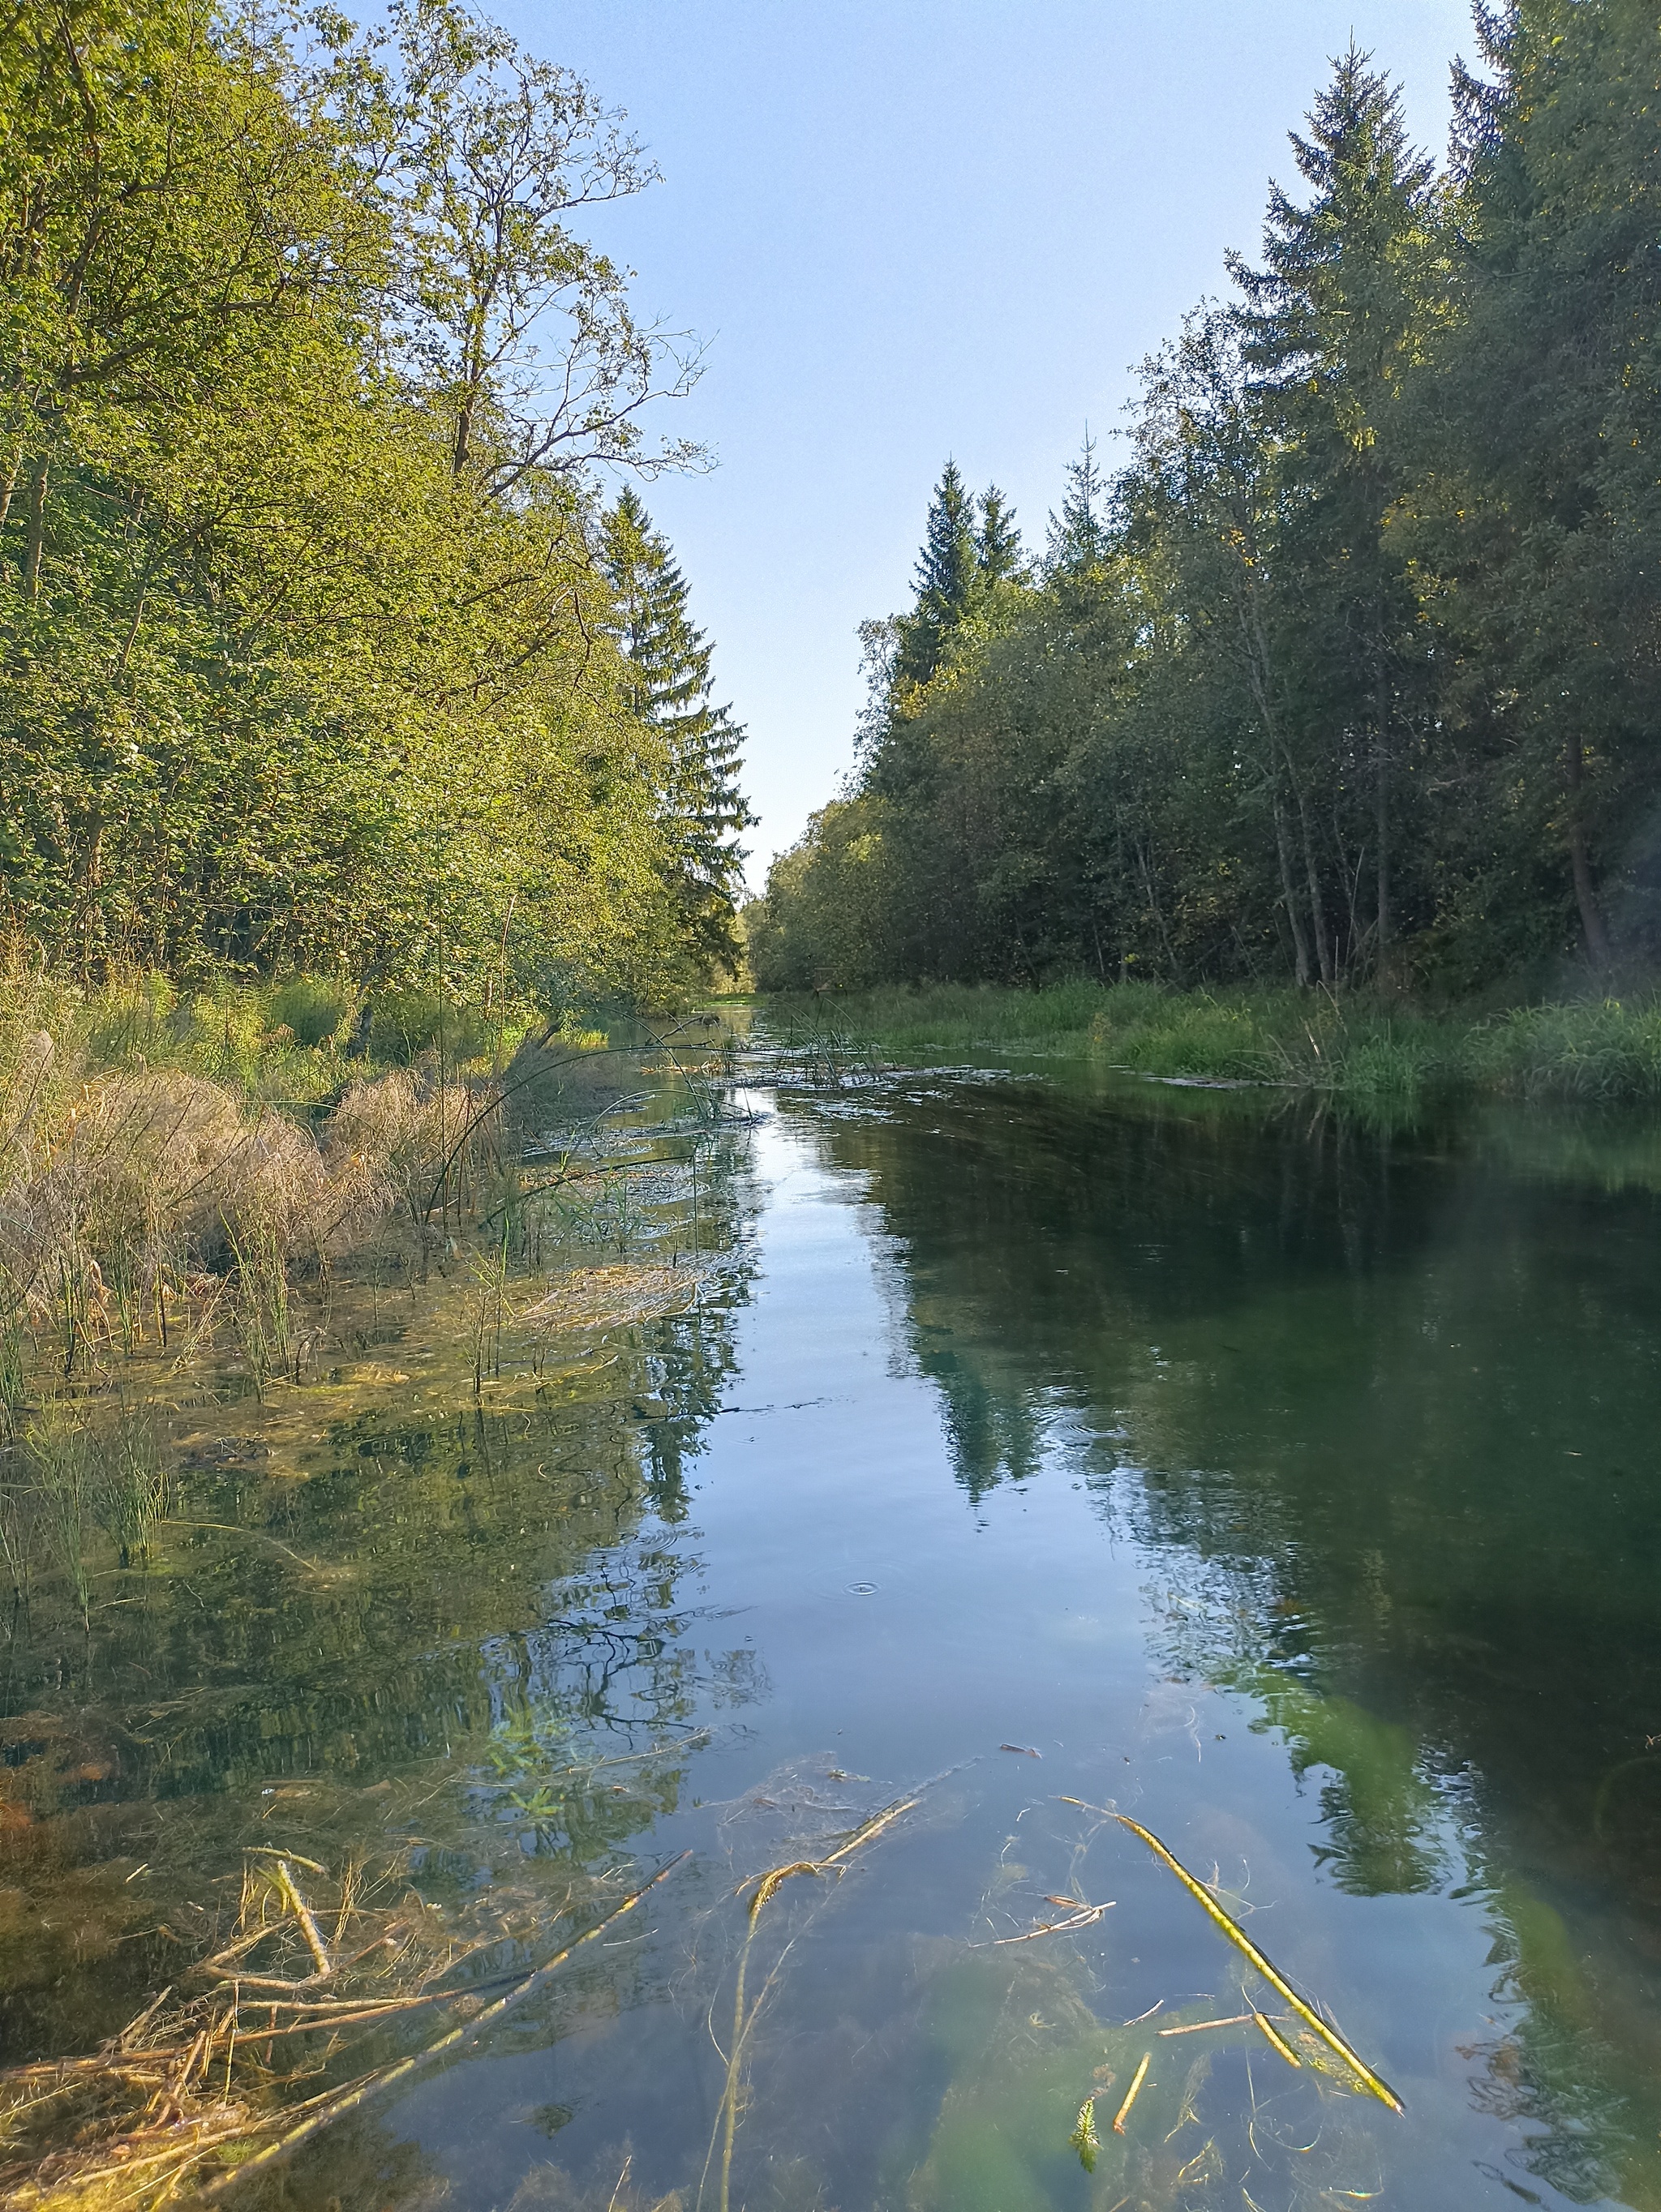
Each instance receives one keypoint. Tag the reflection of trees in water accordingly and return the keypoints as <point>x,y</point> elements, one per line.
<point>591,1711</point>
<point>1048,1237</point>
<point>328,1653</point>
<point>1388,1423</point>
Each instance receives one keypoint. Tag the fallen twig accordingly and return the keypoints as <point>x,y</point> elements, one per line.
<point>1132,2093</point>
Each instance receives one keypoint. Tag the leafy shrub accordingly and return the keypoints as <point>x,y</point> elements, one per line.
<point>406,1024</point>
<point>311,1010</point>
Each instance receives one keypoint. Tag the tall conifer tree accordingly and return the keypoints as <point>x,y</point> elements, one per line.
<point>944,575</point>
<point>671,663</point>
<point>998,552</point>
<point>1550,416</point>
<point>1335,322</point>
<point>1079,535</point>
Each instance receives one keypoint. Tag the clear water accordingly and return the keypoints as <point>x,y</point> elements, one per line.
<point>1037,1438</point>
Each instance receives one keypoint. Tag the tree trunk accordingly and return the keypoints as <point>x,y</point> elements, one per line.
<point>1317,904</point>
<point>1159,918</point>
<point>1585,893</point>
<point>1381,815</point>
<point>1289,897</point>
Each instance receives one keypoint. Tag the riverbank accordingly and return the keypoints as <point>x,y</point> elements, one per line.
<point>1372,1052</point>
<point>191,1180</point>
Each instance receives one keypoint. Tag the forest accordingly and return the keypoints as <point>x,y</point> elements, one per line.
<point>1347,670</point>
<point>328,646</point>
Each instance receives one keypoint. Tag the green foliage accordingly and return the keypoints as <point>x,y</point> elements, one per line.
<point>701,809</point>
<point>404,1024</point>
<point>304,656</point>
<point>312,1012</point>
<point>1350,676</point>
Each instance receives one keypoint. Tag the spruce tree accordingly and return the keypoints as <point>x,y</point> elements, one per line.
<point>1550,413</point>
<point>1334,323</point>
<point>1079,535</point>
<point>998,552</point>
<point>946,575</point>
<point>669,661</point>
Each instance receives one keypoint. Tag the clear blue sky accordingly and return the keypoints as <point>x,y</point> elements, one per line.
<point>910,228</point>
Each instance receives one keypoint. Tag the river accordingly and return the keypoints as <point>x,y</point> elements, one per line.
<point>1039,1446</point>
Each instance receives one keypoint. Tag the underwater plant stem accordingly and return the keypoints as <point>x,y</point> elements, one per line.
<point>1133,2092</point>
<point>742,2024</point>
<point>376,2083</point>
<point>1276,2040</point>
<point>1335,2042</point>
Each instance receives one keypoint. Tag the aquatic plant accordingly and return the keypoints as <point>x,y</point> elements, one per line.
<point>59,1454</point>
<point>191,2089</point>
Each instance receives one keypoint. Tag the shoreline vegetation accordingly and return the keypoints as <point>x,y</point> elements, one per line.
<point>267,1208</point>
<point>188,1182</point>
<point>1338,669</point>
<point>1362,1048</point>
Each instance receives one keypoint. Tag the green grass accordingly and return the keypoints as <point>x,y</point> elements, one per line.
<point>1376,1054</point>
<point>291,1044</point>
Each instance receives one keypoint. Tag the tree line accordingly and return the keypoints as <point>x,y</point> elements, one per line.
<point>320,647</point>
<point>1351,671</point>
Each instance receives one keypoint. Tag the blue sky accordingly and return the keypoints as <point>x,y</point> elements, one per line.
<point>910,228</point>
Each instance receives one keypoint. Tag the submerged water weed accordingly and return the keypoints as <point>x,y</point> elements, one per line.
<point>313,1975</point>
<point>816,1848</point>
<point>58,1455</point>
<point>570,1793</point>
<point>1084,2138</point>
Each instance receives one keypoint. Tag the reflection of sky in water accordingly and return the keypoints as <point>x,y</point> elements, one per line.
<point>1280,1486</point>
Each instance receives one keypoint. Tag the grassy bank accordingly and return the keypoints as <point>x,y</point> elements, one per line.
<point>1372,1052</point>
<point>183,1177</point>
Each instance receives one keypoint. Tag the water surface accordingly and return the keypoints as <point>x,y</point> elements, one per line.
<point>1034,1437</point>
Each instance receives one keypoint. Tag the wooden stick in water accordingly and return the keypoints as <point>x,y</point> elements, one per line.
<point>302,1912</point>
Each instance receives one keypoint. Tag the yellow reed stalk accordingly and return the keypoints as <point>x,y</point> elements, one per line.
<point>1236,1935</point>
<point>302,1912</point>
<point>373,2085</point>
<point>1133,2092</point>
<point>743,2021</point>
<point>1276,2040</point>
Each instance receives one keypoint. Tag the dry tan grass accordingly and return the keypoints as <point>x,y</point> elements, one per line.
<point>614,1296</point>
<point>123,1188</point>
